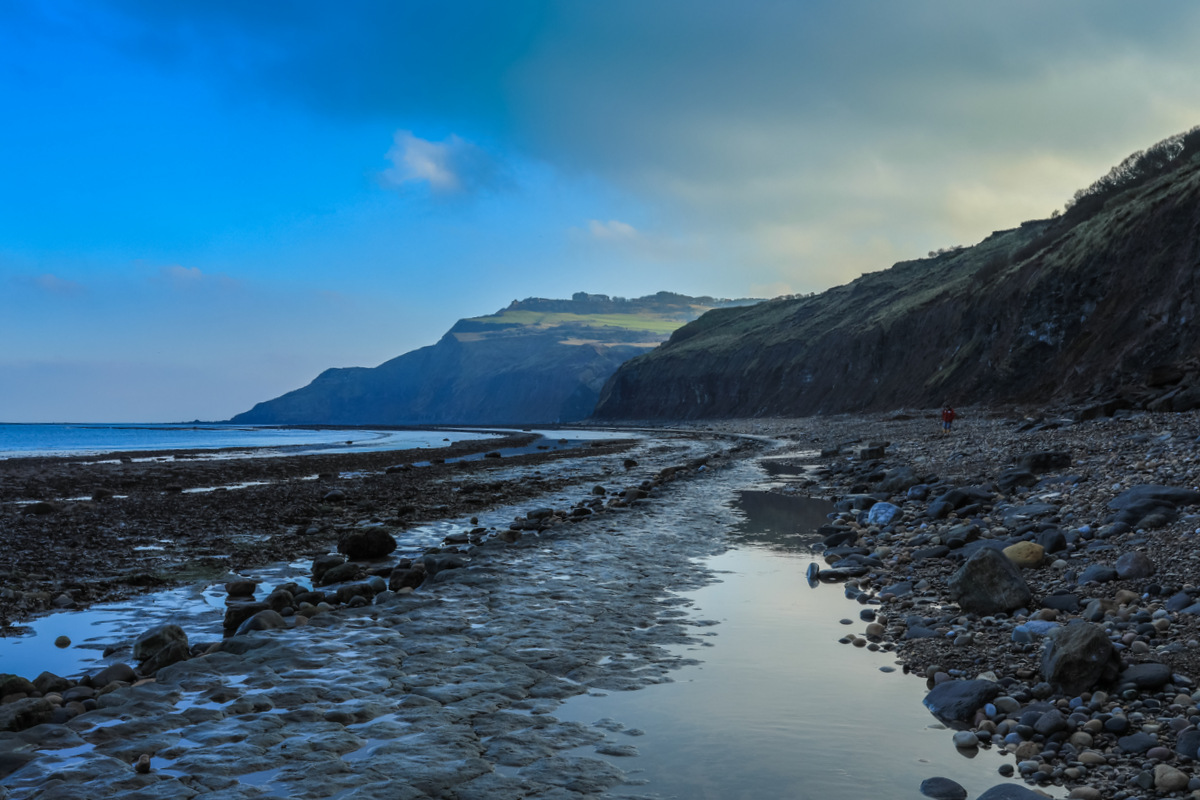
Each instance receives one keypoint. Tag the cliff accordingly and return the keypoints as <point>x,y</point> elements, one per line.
<point>537,361</point>
<point>1097,304</point>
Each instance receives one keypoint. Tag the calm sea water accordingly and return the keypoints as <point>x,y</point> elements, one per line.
<point>66,439</point>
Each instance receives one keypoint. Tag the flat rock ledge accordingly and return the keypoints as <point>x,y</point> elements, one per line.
<point>448,691</point>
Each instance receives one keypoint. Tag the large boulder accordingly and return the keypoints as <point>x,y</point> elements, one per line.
<point>1134,565</point>
<point>989,583</point>
<point>959,497</point>
<point>407,578</point>
<point>365,544</point>
<point>883,514</point>
<point>1150,675</point>
<point>237,613</point>
<point>265,620</point>
<point>26,713</point>
<point>1175,495</point>
<point>898,480</point>
<point>160,646</point>
<point>1010,791</point>
<point>156,639</point>
<point>1079,656</point>
<point>1013,478</point>
<point>957,701</point>
<point>349,571</point>
<point>119,673</point>
<point>48,682</point>
<point>325,562</point>
<point>1151,506</point>
<point>15,684</point>
<point>1044,461</point>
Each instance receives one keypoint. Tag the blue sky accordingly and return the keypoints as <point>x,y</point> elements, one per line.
<point>204,204</point>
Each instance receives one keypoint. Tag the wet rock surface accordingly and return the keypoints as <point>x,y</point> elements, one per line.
<point>445,689</point>
<point>469,660</point>
<point>166,518</point>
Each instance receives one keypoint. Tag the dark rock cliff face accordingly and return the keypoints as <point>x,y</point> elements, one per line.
<point>1098,304</point>
<point>486,382</point>
<point>538,361</point>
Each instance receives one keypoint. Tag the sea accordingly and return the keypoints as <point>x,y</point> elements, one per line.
<point>224,440</point>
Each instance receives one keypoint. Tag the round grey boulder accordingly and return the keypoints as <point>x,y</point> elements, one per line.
<point>943,789</point>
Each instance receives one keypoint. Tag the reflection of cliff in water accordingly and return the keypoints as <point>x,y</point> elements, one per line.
<point>780,521</point>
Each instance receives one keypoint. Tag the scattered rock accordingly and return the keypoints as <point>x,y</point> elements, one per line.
<point>160,647</point>
<point>957,701</point>
<point>1078,656</point>
<point>1025,554</point>
<point>1147,676</point>
<point>26,713</point>
<point>1169,779</point>
<point>989,583</point>
<point>241,588</point>
<point>1134,565</point>
<point>265,620</point>
<point>943,789</point>
<point>1010,791</point>
<point>1044,461</point>
<point>365,544</point>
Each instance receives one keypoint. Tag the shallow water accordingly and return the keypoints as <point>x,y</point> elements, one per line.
<point>773,706</point>
<point>60,440</point>
<point>778,708</point>
<point>200,608</point>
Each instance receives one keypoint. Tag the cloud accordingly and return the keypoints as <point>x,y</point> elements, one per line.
<point>451,166</point>
<point>612,230</point>
<point>53,284</point>
<point>183,278</point>
<point>840,120</point>
<point>182,275</point>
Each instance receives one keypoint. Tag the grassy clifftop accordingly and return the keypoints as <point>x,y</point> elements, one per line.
<point>537,361</point>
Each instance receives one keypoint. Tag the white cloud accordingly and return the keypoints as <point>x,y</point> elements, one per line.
<point>612,230</point>
<point>451,166</point>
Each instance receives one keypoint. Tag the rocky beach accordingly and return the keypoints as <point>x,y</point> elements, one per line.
<point>1077,650</point>
<point>1034,572</point>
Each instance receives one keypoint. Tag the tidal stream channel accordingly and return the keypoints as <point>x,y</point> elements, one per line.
<point>672,650</point>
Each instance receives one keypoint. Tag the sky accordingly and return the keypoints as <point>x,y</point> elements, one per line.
<point>205,203</point>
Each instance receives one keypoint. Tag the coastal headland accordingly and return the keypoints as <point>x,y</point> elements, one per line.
<point>1036,572</point>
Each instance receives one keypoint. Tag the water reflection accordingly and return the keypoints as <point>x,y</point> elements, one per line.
<point>779,521</point>
<point>777,708</point>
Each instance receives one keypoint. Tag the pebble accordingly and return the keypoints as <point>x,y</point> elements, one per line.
<point>1169,779</point>
<point>965,740</point>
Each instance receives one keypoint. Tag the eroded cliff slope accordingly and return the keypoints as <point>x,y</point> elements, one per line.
<point>1098,303</point>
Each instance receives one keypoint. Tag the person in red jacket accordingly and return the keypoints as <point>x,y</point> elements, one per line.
<point>948,416</point>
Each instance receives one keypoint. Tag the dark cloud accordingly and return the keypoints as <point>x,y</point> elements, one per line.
<point>734,115</point>
<point>443,62</point>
